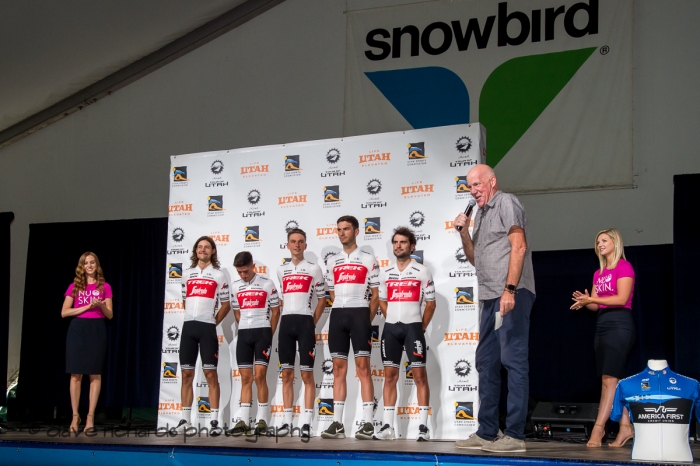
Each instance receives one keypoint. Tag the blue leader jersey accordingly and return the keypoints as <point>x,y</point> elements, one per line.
<point>660,405</point>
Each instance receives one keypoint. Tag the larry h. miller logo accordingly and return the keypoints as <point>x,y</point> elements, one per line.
<point>180,174</point>
<point>173,333</point>
<point>373,225</point>
<point>217,167</point>
<point>333,157</point>
<point>327,367</point>
<point>460,257</point>
<point>463,144</point>
<point>169,370</point>
<point>178,235</point>
<point>252,234</point>
<point>175,270</point>
<point>374,187</point>
<point>417,219</point>
<point>462,368</point>
<point>253,196</point>
<point>291,225</point>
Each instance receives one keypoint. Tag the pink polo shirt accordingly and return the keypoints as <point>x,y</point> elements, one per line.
<point>84,297</point>
<point>606,283</point>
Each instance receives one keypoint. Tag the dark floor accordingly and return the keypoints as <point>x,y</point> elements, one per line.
<point>536,449</point>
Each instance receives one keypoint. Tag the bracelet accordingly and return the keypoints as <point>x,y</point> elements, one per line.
<point>509,291</point>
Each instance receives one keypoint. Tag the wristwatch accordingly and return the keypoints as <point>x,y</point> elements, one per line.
<point>510,288</point>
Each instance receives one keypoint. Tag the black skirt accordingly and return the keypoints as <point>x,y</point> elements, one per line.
<point>614,337</point>
<point>86,346</point>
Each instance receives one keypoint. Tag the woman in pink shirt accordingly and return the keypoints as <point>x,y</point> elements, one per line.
<point>89,301</point>
<point>611,297</point>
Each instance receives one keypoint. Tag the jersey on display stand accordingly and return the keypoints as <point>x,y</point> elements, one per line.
<point>660,404</point>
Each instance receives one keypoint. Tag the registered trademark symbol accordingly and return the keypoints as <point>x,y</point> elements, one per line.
<point>604,50</point>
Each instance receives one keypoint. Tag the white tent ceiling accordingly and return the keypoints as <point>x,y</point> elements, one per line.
<point>50,49</point>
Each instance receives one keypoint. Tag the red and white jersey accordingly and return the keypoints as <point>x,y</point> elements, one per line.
<point>404,291</point>
<point>299,284</point>
<point>351,277</point>
<point>202,290</point>
<point>255,300</point>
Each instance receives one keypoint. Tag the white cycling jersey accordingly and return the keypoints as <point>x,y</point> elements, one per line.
<point>299,284</point>
<point>351,277</point>
<point>255,300</point>
<point>202,290</point>
<point>404,291</point>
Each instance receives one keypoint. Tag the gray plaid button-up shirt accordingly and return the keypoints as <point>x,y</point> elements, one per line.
<point>492,247</point>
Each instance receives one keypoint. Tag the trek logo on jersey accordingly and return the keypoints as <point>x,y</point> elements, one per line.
<point>255,170</point>
<point>403,290</point>
<point>296,283</point>
<point>375,158</point>
<point>179,208</point>
<point>180,176</point>
<point>417,189</point>
<point>416,153</point>
<point>201,288</point>
<point>292,199</point>
<point>252,299</point>
<point>292,166</point>
<point>170,370</point>
<point>350,274</point>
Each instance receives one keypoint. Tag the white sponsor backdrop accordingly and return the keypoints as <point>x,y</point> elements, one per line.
<point>246,199</point>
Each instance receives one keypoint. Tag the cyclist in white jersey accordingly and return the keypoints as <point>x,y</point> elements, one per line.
<point>303,299</point>
<point>203,285</point>
<point>256,307</point>
<point>403,288</point>
<point>352,280</point>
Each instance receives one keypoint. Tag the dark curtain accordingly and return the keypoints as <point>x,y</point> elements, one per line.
<point>562,361</point>
<point>687,257</point>
<point>5,222</point>
<point>132,256</point>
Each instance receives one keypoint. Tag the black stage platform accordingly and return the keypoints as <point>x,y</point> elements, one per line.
<point>121,446</point>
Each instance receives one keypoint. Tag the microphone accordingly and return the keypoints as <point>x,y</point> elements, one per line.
<point>467,211</point>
